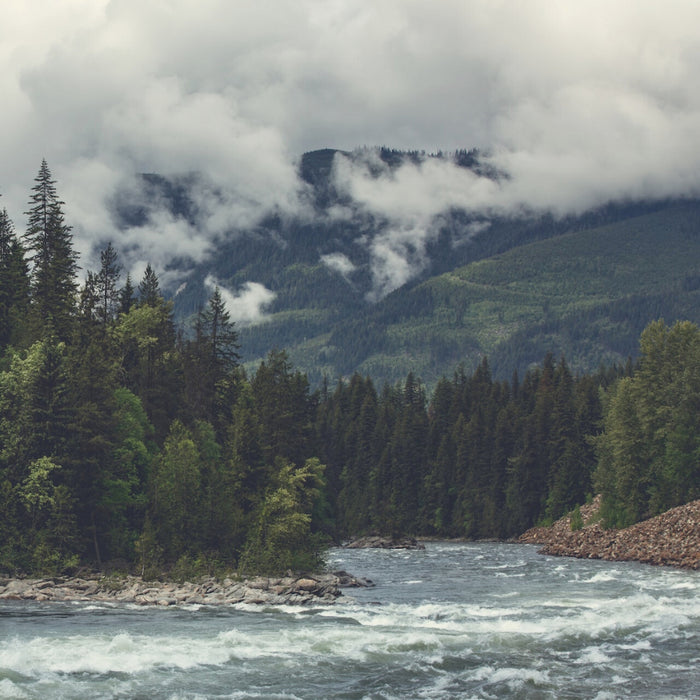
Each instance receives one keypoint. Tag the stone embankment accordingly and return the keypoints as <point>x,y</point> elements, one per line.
<point>288,590</point>
<point>669,539</point>
<point>378,542</point>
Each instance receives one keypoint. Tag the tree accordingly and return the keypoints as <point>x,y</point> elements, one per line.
<point>649,451</point>
<point>211,359</point>
<point>54,263</point>
<point>282,536</point>
<point>149,288</point>
<point>145,339</point>
<point>127,297</point>
<point>14,283</point>
<point>284,409</point>
<point>176,491</point>
<point>106,285</point>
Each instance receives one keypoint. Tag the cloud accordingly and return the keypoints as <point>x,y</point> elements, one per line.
<point>339,262</point>
<point>247,306</point>
<point>577,102</point>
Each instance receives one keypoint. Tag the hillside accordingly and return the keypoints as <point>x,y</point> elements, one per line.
<point>511,289</point>
<point>587,294</point>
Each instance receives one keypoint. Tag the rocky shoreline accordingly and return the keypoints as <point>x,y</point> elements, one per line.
<point>287,590</point>
<point>669,539</point>
<point>379,542</point>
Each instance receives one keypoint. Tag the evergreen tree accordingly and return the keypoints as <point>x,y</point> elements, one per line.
<point>282,537</point>
<point>107,280</point>
<point>211,359</point>
<point>649,451</point>
<point>149,288</point>
<point>284,409</point>
<point>54,263</point>
<point>127,297</point>
<point>14,283</point>
<point>176,488</point>
<point>150,364</point>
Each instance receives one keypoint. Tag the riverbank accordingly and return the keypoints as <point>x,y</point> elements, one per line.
<point>288,590</point>
<point>669,539</point>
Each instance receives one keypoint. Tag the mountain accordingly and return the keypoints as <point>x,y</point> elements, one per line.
<point>512,289</point>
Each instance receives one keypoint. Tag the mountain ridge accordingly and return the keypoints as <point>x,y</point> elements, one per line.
<point>513,289</point>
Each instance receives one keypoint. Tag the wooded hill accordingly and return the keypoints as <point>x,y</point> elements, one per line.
<point>583,286</point>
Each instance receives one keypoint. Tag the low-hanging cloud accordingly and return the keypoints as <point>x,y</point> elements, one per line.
<point>339,262</point>
<point>246,306</point>
<point>576,103</point>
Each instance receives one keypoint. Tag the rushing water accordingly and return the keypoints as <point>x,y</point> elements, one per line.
<point>481,620</point>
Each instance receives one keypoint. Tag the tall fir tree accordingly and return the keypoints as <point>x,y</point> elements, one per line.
<point>127,297</point>
<point>149,288</point>
<point>107,280</point>
<point>212,360</point>
<point>54,262</point>
<point>14,283</point>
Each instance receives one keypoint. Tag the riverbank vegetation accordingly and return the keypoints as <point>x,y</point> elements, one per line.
<point>128,442</point>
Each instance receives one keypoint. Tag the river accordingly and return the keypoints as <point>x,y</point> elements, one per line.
<point>458,620</point>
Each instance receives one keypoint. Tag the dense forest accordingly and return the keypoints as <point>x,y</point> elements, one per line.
<point>127,441</point>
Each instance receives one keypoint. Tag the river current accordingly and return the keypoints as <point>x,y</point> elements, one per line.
<point>481,620</point>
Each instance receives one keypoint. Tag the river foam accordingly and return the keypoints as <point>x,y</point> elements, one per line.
<point>573,629</point>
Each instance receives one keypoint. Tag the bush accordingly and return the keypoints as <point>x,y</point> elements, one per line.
<point>576,519</point>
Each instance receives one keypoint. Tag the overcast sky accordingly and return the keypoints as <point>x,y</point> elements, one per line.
<point>579,101</point>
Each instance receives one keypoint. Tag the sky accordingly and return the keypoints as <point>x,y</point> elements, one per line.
<point>578,102</point>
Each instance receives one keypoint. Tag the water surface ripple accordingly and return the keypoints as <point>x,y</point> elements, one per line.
<point>482,620</point>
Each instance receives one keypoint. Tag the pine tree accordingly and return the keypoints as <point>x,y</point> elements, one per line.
<point>50,244</point>
<point>14,283</point>
<point>211,359</point>
<point>106,282</point>
<point>127,297</point>
<point>149,288</point>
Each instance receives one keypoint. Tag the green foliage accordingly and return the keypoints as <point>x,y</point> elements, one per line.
<point>49,243</point>
<point>484,459</point>
<point>576,519</point>
<point>176,493</point>
<point>649,452</point>
<point>122,441</point>
<point>282,538</point>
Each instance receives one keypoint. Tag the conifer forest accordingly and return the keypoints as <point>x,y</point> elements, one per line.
<point>128,440</point>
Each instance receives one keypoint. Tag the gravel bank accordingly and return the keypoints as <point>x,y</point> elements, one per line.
<point>669,539</point>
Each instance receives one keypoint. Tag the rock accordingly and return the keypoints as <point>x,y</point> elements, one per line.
<point>378,542</point>
<point>15,589</point>
<point>306,584</point>
<point>298,590</point>
<point>669,539</point>
<point>346,580</point>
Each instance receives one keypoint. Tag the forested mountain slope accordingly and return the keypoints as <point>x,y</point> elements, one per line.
<point>586,294</point>
<point>509,288</point>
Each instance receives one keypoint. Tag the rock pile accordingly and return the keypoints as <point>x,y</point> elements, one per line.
<point>378,542</point>
<point>669,539</point>
<point>288,590</point>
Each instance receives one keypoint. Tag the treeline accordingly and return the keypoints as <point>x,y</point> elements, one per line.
<point>123,438</point>
<point>489,459</point>
<point>482,459</point>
